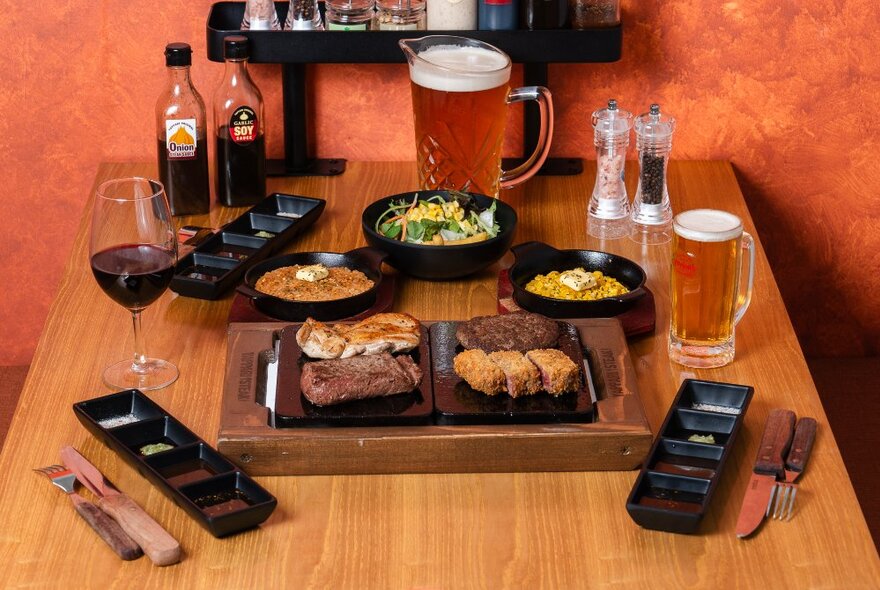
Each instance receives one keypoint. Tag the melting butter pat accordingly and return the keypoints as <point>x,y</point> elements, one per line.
<point>312,273</point>
<point>577,279</point>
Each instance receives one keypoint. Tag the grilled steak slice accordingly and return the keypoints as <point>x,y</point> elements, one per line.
<point>521,375</point>
<point>520,331</point>
<point>559,374</point>
<point>335,381</point>
<point>480,373</point>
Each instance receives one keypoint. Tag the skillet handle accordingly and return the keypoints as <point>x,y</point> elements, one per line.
<point>249,291</point>
<point>373,257</point>
<point>533,248</point>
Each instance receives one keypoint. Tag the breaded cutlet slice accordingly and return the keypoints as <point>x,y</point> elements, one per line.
<point>521,376</point>
<point>559,374</point>
<point>480,373</point>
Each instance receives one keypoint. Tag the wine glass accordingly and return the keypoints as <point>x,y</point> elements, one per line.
<point>133,251</point>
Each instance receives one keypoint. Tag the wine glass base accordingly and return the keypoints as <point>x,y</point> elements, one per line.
<point>153,374</point>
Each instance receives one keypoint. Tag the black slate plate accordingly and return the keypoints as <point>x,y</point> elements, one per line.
<point>457,403</point>
<point>292,409</point>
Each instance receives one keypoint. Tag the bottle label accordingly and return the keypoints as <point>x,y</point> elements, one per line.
<point>243,125</point>
<point>346,27</point>
<point>181,139</point>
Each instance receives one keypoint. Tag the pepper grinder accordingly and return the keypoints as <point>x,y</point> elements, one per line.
<point>652,213</point>
<point>608,213</point>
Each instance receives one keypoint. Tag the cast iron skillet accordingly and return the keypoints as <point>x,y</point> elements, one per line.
<point>366,260</point>
<point>534,258</point>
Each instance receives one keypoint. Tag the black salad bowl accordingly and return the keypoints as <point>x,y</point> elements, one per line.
<point>440,263</point>
<point>536,258</point>
<point>366,260</point>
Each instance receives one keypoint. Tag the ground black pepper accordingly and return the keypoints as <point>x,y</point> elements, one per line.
<point>593,13</point>
<point>652,179</point>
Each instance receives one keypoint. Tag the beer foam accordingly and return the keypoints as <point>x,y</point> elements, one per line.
<point>452,68</point>
<point>707,225</point>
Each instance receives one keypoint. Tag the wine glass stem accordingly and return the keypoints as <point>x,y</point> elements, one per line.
<point>140,359</point>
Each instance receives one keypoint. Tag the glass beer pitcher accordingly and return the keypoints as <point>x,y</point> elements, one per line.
<point>460,92</point>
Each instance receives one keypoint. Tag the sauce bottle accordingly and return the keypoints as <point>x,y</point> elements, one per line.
<point>181,137</point>
<point>239,125</point>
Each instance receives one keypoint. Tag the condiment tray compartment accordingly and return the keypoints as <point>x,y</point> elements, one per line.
<point>218,263</point>
<point>219,496</point>
<point>678,479</point>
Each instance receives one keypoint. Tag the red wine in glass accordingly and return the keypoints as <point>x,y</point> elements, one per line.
<point>132,253</point>
<point>133,275</point>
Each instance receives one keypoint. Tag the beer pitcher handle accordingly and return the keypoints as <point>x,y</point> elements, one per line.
<point>743,299</point>
<point>545,107</point>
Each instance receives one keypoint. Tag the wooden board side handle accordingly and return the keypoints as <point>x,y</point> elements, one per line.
<point>802,445</point>
<point>158,545</point>
<point>107,528</point>
<point>775,442</point>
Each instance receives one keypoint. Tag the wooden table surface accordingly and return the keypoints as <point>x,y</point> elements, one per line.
<point>560,530</point>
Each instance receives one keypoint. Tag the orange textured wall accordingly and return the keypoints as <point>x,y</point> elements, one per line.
<point>786,90</point>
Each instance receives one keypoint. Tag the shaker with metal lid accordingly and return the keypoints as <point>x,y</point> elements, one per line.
<point>608,213</point>
<point>652,213</point>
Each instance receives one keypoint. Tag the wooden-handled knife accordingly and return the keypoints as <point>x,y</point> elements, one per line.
<point>157,544</point>
<point>769,466</point>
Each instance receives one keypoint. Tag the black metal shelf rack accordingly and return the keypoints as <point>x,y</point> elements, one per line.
<point>294,49</point>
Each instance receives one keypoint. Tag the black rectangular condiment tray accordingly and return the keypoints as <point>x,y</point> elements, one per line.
<point>679,476</point>
<point>218,263</point>
<point>213,491</point>
<point>293,409</point>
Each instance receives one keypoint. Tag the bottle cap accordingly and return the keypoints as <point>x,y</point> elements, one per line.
<point>612,120</point>
<point>654,125</point>
<point>178,54</point>
<point>235,47</point>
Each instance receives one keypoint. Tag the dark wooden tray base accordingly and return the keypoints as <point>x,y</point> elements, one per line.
<point>618,439</point>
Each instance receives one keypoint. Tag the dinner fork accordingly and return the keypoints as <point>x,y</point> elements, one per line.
<point>106,527</point>
<point>784,492</point>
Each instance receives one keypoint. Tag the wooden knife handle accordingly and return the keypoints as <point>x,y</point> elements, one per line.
<point>107,528</point>
<point>802,445</point>
<point>158,545</point>
<point>775,442</point>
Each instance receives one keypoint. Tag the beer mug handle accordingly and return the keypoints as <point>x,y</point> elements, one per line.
<point>545,107</point>
<point>743,299</point>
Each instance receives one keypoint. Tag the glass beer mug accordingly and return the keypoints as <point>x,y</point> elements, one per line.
<point>460,93</point>
<point>707,299</point>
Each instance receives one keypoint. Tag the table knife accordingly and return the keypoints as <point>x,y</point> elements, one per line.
<point>769,466</point>
<point>157,544</point>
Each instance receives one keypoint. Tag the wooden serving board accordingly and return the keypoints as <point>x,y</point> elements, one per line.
<point>618,439</point>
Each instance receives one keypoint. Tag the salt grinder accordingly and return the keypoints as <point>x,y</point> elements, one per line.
<point>608,213</point>
<point>651,212</point>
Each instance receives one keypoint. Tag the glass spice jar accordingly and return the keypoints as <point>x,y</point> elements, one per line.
<point>349,15</point>
<point>586,14</point>
<point>608,213</point>
<point>260,15</point>
<point>400,15</point>
<point>452,15</point>
<point>652,213</point>
<point>303,15</point>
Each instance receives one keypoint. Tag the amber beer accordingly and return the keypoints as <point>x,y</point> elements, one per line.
<point>460,120</point>
<point>707,250</point>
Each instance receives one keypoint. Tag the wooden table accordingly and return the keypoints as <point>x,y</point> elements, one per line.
<point>427,531</point>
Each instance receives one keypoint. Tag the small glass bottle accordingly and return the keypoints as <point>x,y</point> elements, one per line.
<point>498,15</point>
<point>543,14</point>
<point>349,15</point>
<point>182,137</point>
<point>652,213</point>
<point>586,14</point>
<point>608,213</point>
<point>239,125</point>
<point>400,15</point>
<point>303,15</point>
<point>260,15</point>
<point>452,15</point>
